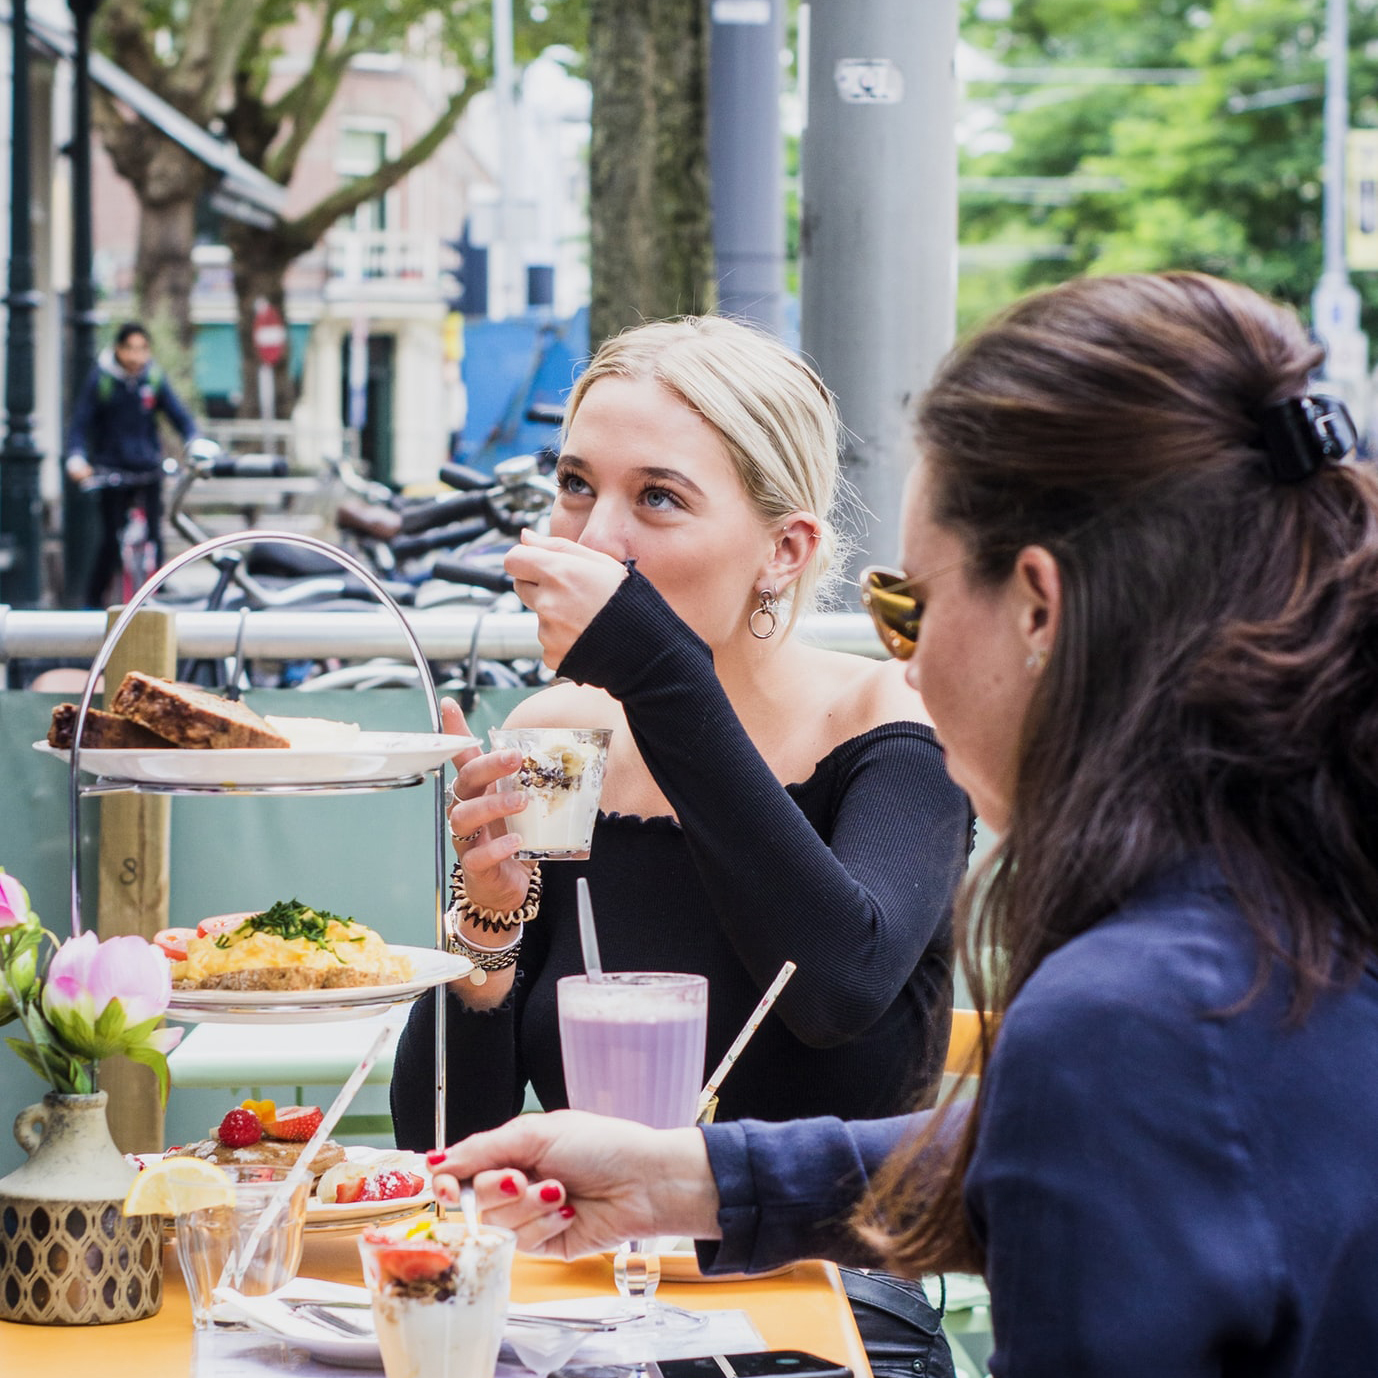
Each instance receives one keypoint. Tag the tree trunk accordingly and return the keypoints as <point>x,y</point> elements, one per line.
<point>651,232</point>
<point>260,271</point>
<point>163,271</point>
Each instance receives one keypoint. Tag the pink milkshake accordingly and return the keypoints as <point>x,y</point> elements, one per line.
<point>632,1044</point>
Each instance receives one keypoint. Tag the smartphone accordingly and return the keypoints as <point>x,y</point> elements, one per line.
<point>765,1363</point>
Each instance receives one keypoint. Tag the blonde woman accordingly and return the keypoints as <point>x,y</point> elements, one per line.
<point>766,800</point>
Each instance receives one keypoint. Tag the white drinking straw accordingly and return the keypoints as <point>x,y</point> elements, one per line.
<point>588,936</point>
<point>740,1042</point>
<point>301,1169</point>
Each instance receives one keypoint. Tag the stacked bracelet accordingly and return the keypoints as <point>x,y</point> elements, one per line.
<point>485,959</point>
<point>493,920</point>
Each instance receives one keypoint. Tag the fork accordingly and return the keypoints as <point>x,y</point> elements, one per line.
<point>322,1315</point>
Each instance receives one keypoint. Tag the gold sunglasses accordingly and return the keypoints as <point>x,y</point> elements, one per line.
<point>895,611</point>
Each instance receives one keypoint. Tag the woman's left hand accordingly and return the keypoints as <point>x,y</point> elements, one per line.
<point>564,584</point>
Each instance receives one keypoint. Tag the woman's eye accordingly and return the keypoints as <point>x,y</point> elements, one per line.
<point>569,482</point>
<point>660,499</point>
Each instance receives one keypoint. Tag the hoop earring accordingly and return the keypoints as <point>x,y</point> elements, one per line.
<point>766,610</point>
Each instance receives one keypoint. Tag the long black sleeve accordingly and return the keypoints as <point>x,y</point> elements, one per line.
<point>855,909</point>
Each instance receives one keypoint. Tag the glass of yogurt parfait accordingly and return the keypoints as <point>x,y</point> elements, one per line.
<point>632,1044</point>
<point>439,1293</point>
<point>561,777</point>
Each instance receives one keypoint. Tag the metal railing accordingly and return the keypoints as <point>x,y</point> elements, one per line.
<point>444,634</point>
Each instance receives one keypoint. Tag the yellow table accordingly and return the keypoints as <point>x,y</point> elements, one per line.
<point>805,1308</point>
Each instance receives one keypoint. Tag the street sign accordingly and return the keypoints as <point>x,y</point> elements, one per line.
<point>270,334</point>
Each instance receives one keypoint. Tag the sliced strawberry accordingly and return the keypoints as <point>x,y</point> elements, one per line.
<point>240,1128</point>
<point>172,943</point>
<point>392,1184</point>
<point>296,1123</point>
<point>410,1263</point>
<point>347,1193</point>
<point>220,923</point>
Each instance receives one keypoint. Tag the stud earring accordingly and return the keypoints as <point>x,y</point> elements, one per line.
<point>766,610</point>
<point>1036,660</point>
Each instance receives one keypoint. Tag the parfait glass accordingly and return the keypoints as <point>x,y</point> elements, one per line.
<point>632,1043</point>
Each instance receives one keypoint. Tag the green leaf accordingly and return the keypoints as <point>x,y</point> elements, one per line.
<point>151,1057</point>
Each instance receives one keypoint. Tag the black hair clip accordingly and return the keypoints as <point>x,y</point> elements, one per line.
<point>1303,433</point>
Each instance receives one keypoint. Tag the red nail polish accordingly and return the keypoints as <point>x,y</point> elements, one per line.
<point>550,1192</point>
<point>508,1186</point>
<point>566,1212</point>
<point>436,1155</point>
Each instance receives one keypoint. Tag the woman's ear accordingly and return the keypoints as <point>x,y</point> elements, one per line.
<point>796,541</point>
<point>1037,588</point>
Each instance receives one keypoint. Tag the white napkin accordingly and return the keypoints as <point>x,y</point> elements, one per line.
<point>270,1315</point>
<point>541,1349</point>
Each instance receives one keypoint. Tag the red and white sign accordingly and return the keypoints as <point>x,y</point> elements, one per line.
<point>270,334</point>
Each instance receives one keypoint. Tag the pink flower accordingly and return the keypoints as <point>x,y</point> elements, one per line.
<point>106,997</point>
<point>14,903</point>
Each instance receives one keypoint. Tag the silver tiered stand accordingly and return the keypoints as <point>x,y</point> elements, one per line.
<point>112,785</point>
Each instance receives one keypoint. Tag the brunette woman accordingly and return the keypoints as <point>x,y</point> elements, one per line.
<point>1140,598</point>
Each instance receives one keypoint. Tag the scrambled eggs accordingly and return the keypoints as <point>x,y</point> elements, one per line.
<point>292,936</point>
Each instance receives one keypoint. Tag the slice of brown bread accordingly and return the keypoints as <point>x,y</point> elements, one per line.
<point>191,717</point>
<point>101,731</point>
<point>288,978</point>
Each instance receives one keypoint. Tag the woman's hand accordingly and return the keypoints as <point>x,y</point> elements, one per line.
<point>569,1183</point>
<point>564,584</point>
<point>492,876</point>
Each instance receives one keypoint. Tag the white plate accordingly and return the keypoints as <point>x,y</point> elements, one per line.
<point>324,1216</point>
<point>369,756</point>
<point>429,967</point>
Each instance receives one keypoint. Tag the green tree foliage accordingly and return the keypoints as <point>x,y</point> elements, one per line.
<point>213,61</point>
<point>1221,173</point>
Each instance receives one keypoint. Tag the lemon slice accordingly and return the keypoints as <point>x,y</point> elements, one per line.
<point>175,1186</point>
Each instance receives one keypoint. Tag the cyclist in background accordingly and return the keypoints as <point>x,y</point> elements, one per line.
<point>115,426</point>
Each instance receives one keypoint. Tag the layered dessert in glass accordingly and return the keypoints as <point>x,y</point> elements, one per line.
<point>561,777</point>
<point>439,1293</point>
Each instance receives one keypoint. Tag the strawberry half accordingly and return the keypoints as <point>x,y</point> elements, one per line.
<point>347,1193</point>
<point>296,1123</point>
<point>414,1262</point>
<point>391,1185</point>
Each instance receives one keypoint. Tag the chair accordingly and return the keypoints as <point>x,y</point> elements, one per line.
<point>966,1317</point>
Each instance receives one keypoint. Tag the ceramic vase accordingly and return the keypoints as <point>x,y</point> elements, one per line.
<point>68,1255</point>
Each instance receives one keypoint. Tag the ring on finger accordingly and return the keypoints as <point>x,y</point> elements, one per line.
<point>465,837</point>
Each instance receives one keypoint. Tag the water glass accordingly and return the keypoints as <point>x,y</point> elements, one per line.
<point>209,1241</point>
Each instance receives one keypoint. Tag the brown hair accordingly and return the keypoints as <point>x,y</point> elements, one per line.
<point>1214,685</point>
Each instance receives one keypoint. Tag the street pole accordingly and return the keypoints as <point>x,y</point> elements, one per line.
<point>509,289</point>
<point>79,530</point>
<point>21,511</point>
<point>1335,304</point>
<point>878,229</point>
<point>745,159</point>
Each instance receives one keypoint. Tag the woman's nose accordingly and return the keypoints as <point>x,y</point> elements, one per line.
<point>605,531</point>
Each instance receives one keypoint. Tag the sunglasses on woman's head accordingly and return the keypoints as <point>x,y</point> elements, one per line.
<point>894,609</point>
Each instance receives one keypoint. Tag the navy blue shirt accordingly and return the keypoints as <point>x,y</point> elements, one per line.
<point>1162,1187</point>
<point>115,420</point>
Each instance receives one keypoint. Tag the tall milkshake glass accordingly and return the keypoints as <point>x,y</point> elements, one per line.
<point>632,1045</point>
